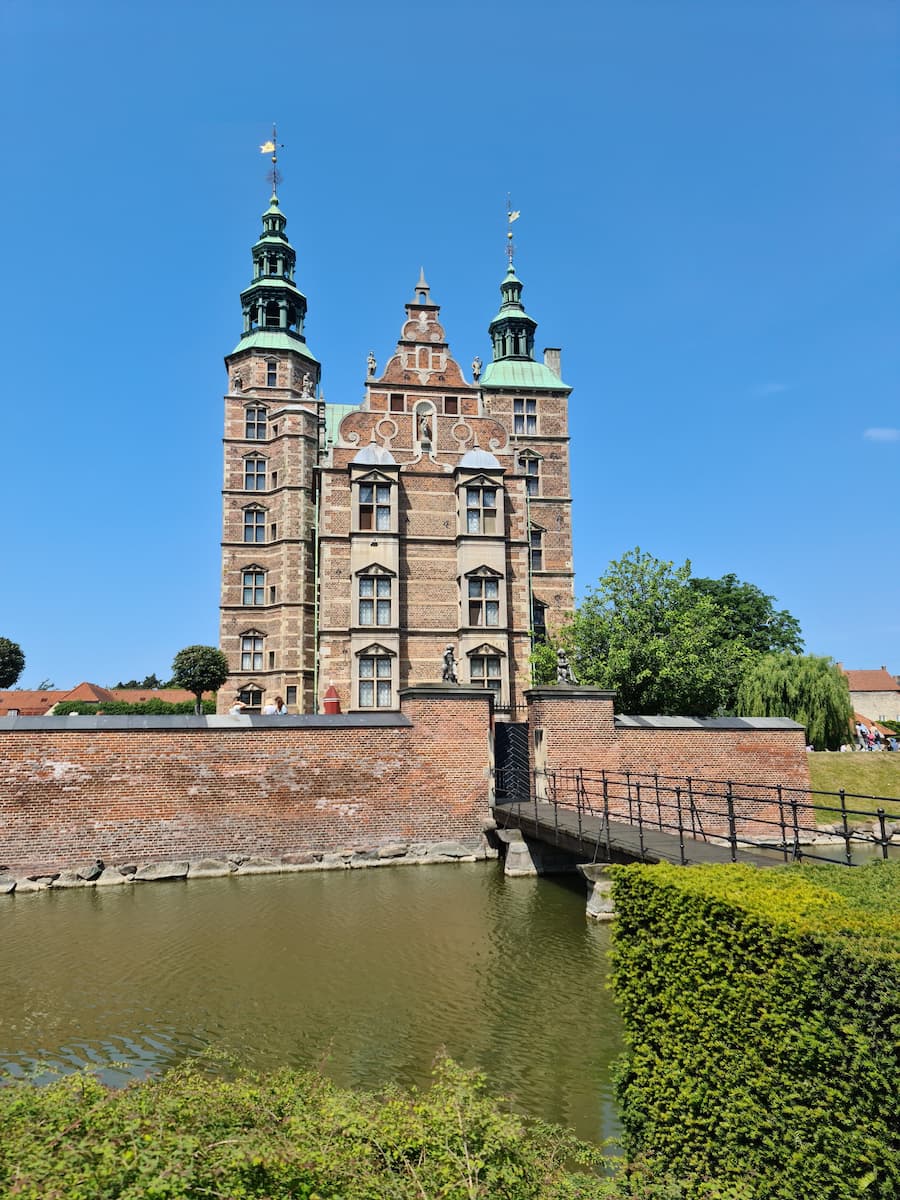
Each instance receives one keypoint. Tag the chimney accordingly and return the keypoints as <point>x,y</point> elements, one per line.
<point>552,359</point>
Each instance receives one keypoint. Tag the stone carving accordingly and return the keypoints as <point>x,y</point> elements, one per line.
<point>476,368</point>
<point>307,384</point>
<point>564,673</point>
<point>371,364</point>
<point>424,427</point>
<point>238,382</point>
<point>448,673</point>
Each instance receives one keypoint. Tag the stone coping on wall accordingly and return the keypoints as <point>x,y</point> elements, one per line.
<point>710,723</point>
<point>445,691</point>
<point>74,724</point>
<point>568,691</point>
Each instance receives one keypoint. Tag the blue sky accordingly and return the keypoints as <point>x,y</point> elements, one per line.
<point>710,227</point>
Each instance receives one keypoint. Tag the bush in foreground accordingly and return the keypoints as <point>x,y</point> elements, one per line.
<point>762,1024</point>
<point>289,1135</point>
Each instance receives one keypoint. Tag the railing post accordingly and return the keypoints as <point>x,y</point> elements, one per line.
<point>848,849</point>
<point>884,839</point>
<point>691,806</point>
<point>606,815</point>
<point>580,793</point>
<point>680,825</point>
<point>640,823</point>
<point>658,807</point>
<point>556,816</point>
<point>781,821</point>
<point>732,831</point>
<point>798,855</point>
<point>630,809</point>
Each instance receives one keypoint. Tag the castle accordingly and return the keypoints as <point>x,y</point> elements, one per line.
<point>367,547</point>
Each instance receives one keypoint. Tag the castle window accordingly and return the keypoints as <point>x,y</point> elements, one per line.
<point>451,405</point>
<point>271,372</point>
<point>252,651</point>
<point>375,507</point>
<point>525,416</point>
<point>273,315</point>
<point>398,402</point>
<point>536,549</point>
<point>254,525</point>
<point>374,600</point>
<point>253,586</point>
<point>290,694</point>
<point>252,699</point>
<point>375,682</point>
<point>481,510</point>
<point>484,671</point>
<point>254,423</point>
<point>484,602</point>
<point>539,620</point>
<point>530,468</point>
<point>254,474</point>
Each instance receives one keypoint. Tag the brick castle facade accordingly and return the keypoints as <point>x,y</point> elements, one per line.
<point>359,543</point>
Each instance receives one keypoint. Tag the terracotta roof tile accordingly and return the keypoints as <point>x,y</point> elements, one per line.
<point>28,704</point>
<point>872,681</point>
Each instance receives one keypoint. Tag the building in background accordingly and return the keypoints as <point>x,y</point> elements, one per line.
<point>875,694</point>
<point>361,541</point>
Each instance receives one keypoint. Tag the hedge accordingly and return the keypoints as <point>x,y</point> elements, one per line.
<point>118,708</point>
<point>762,1026</point>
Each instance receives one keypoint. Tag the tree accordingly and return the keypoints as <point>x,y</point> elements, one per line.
<point>199,669</point>
<point>751,615</point>
<point>543,663</point>
<point>151,682</point>
<point>12,662</point>
<point>663,646</point>
<point>805,687</point>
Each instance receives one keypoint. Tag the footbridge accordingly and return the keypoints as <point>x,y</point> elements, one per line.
<point>608,816</point>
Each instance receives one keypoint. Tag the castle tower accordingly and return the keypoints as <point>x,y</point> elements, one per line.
<point>271,444</point>
<point>531,401</point>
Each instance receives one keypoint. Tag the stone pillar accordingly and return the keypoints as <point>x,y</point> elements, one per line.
<point>599,894</point>
<point>571,727</point>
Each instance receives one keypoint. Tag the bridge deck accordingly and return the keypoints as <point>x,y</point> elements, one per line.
<point>559,826</point>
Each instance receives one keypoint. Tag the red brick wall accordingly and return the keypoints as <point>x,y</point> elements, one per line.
<point>182,791</point>
<point>577,729</point>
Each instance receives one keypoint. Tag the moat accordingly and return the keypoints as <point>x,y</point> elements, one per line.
<point>367,973</point>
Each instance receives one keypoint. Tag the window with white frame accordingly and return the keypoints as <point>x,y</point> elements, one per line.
<point>375,507</point>
<point>525,416</point>
<point>375,600</point>
<point>253,586</point>
<point>485,671</point>
<point>375,680</point>
<point>484,600</point>
<point>254,423</point>
<point>481,509</point>
<point>254,474</point>
<point>252,650</point>
<point>254,524</point>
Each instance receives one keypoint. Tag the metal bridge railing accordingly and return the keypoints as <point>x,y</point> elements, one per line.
<point>770,818</point>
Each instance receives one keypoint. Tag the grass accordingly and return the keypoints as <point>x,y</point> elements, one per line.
<point>863,773</point>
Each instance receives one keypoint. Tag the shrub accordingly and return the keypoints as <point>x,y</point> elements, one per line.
<point>118,708</point>
<point>762,1022</point>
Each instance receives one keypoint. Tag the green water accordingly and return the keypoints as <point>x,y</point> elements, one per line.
<point>368,973</point>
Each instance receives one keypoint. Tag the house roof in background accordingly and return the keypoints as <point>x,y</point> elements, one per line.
<point>872,681</point>
<point>38,704</point>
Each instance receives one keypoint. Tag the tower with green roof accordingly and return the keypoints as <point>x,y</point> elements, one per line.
<point>274,421</point>
<point>530,398</point>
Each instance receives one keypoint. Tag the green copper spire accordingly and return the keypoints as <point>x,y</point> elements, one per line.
<point>273,307</point>
<point>512,339</point>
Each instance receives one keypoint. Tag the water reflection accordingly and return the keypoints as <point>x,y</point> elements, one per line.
<point>370,973</point>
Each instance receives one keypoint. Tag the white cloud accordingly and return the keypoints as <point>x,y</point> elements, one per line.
<point>882,435</point>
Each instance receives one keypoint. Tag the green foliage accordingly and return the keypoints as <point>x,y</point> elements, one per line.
<point>117,708</point>
<point>805,687</point>
<point>199,669</point>
<point>543,663</point>
<point>751,616</point>
<point>663,646</point>
<point>288,1136</point>
<point>895,725</point>
<point>762,1020</point>
<point>149,681</point>
<point>12,662</point>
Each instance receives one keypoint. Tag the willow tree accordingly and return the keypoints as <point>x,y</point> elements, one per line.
<point>805,687</point>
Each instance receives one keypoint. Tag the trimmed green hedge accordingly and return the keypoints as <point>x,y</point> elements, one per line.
<point>762,1023</point>
<point>289,1136</point>
<point>118,708</point>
